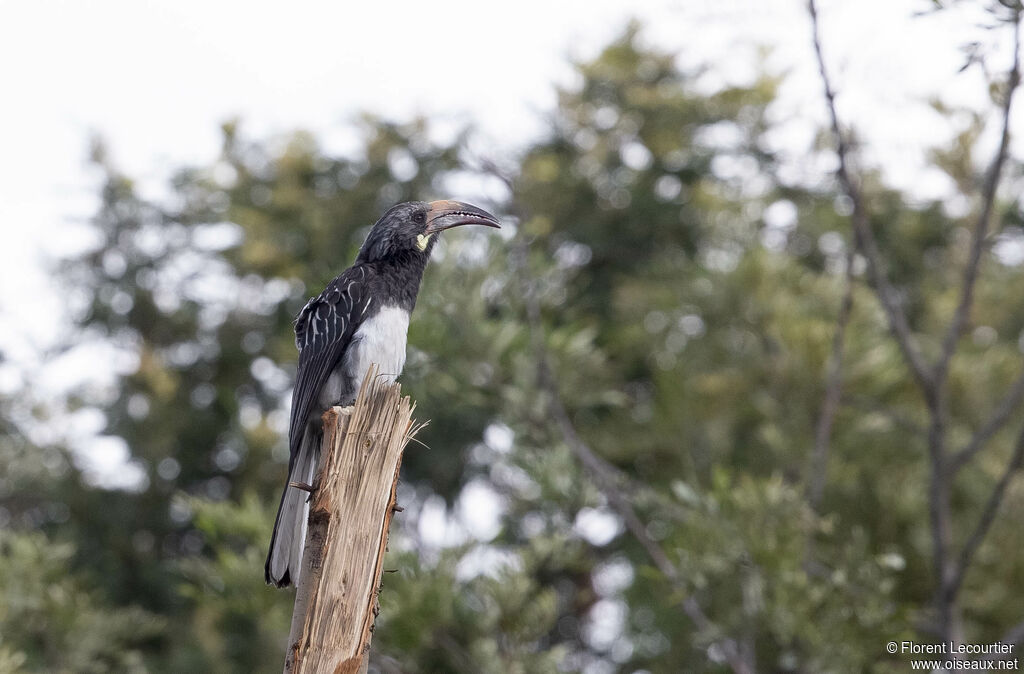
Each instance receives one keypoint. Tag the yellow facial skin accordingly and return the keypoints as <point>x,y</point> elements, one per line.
<point>422,241</point>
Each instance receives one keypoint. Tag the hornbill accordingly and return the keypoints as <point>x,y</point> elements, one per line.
<point>360,318</point>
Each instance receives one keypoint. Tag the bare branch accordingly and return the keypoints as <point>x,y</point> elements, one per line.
<point>1014,635</point>
<point>951,574</point>
<point>981,228</point>
<point>833,392</point>
<point>606,477</point>
<point>864,236</point>
<point>603,473</point>
<point>999,418</point>
<point>940,517</point>
<point>988,516</point>
<point>1011,637</point>
<point>931,380</point>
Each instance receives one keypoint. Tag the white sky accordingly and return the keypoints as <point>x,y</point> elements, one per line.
<point>156,79</point>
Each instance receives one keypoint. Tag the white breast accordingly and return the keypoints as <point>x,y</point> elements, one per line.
<point>381,340</point>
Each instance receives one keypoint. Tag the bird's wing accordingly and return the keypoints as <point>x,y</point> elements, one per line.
<point>323,331</point>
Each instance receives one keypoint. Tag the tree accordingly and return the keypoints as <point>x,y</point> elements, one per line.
<point>928,340</point>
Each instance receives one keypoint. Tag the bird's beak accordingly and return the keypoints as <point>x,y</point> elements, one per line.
<point>447,214</point>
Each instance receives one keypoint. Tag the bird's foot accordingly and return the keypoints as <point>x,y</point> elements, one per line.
<point>303,486</point>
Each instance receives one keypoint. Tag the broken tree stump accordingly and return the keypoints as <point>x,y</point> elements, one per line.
<point>350,511</point>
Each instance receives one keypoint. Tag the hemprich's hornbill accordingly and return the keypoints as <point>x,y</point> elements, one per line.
<point>359,319</point>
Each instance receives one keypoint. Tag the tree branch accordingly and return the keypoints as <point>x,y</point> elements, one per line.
<point>1011,637</point>
<point>606,477</point>
<point>931,380</point>
<point>864,236</point>
<point>951,574</point>
<point>988,516</point>
<point>999,418</point>
<point>833,392</point>
<point>1014,635</point>
<point>940,517</point>
<point>981,228</point>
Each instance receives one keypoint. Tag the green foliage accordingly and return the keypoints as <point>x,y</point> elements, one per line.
<point>51,621</point>
<point>235,621</point>
<point>438,622</point>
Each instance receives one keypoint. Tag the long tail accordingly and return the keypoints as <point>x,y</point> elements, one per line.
<point>285,557</point>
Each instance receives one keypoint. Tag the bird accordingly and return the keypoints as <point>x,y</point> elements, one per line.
<point>361,318</point>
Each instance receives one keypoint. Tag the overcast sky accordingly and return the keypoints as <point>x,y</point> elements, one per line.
<point>156,79</point>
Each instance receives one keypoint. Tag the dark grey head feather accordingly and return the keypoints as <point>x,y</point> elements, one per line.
<point>395,233</point>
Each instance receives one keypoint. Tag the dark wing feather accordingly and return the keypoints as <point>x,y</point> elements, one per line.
<point>323,331</point>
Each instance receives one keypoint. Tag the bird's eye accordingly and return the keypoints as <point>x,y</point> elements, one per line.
<point>419,216</point>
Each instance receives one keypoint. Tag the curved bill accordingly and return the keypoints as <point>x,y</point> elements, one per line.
<point>447,214</point>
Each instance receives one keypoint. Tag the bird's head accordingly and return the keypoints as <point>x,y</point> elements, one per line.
<point>411,228</point>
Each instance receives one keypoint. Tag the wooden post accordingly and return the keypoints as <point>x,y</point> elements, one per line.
<point>350,511</point>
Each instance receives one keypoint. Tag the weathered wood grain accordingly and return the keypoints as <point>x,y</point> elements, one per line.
<point>351,508</point>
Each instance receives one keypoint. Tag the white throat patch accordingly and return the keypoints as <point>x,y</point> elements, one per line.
<point>422,241</point>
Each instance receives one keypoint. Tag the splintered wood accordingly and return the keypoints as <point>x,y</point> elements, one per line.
<point>350,512</point>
